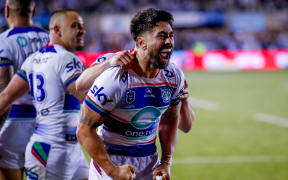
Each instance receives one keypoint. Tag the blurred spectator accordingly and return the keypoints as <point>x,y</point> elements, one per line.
<point>212,38</point>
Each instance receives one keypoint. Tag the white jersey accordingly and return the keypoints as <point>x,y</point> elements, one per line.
<point>133,106</point>
<point>49,72</point>
<point>17,44</point>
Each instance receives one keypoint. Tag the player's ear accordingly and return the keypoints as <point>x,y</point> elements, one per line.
<point>141,42</point>
<point>6,11</point>
<point>33,12</point>
<point>57,31</point>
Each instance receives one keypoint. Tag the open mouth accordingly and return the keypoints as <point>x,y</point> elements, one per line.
<point>165,56</point>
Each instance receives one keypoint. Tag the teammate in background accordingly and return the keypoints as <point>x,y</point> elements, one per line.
<point>53,151</point>
<point>127,104</point>
<point>17,43</point>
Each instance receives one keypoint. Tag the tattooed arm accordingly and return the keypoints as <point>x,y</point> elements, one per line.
<point>87,136</point>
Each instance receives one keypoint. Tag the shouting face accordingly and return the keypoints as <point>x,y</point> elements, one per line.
<point>160,44</point>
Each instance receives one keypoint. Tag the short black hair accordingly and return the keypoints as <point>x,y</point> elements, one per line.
<point>147,19</point>
<point>21,7</point>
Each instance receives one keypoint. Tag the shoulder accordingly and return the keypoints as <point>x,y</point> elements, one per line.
<point>115,74</point>
<point>4,40</point>
<point>102,58</point>
<point>173,71</point>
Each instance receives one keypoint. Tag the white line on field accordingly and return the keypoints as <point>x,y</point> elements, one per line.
<point>203,104</point>
<point>233,159</point>
<point>268,118</point>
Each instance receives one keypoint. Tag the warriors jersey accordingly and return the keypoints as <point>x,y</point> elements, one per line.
<point>17,44</point>
<point>133,106</point>
<point>49,72</point>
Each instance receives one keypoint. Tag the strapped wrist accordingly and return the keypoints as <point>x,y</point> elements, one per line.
<point>167,160</point>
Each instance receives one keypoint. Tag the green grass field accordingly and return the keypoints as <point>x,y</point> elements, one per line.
<point>226,141</point>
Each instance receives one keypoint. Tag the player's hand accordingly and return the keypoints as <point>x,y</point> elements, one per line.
<point>163,170</point>
<point>124,172</point>
<point>123,59</point>
<point>185,92</point>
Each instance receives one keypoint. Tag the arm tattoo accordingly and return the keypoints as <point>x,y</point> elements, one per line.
<point>89,121</point>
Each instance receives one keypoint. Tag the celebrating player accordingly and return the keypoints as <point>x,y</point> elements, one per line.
<point>127,104</point>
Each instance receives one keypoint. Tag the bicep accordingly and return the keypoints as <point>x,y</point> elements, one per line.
<point>89,121</point>
<point>170,116</point>
<point>78,94</point>
<point>15,89</point>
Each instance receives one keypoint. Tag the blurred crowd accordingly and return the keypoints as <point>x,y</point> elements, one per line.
<point>209,38</point>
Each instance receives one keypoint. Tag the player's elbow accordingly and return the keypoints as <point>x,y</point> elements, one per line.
<point>186,123</point>
<point>80,133</point>
<point>80,86</point>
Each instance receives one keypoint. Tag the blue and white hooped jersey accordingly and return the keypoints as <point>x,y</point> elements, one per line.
<point>17,44</point>
<point>133,106</point>
<point>49,72</point>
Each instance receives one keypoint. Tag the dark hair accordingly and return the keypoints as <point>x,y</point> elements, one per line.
<point>147,19</point>
<point>21,7</point>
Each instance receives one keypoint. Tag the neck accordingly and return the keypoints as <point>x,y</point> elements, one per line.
<point>143,67</point>
<point>58,41</point>
<point>20,22</point>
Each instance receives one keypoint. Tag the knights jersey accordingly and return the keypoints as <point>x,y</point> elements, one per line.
<point>17,44</point>
<point>49,72</point>
<point>133,106</point>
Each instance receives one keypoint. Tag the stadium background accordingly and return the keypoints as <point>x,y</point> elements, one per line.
<point>235,57</point>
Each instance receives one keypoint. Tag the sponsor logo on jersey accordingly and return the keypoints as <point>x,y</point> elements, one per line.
<point>166,94</point>
<point>148,93</point>
<point>101,97</point>
<point>74,65</point>
<point>145,118</point>
<point>101,59</point>
<point>22,41</point>
<point>130,96</point>
<point>169,74</point>
<point>124,77</point>
<point>44,112</point>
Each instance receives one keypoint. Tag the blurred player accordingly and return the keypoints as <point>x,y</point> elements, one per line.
<point>53,151</point>
<point>17,43</point>
<point>127,104</point>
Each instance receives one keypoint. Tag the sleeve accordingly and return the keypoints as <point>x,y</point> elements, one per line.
<point>6,58</point>
<point>70,68</point>
<point>106,91</point>
<point>22,71</point>
<point>102,58</point>
<point>179,78</point>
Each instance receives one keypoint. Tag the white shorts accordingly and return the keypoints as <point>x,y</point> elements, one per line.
<point>14,137</point>
<point>54,161</point>
<point>144,166</point>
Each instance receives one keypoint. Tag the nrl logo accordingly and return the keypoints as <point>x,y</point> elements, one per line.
<point>130,96</point>
<point>166,95</point>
